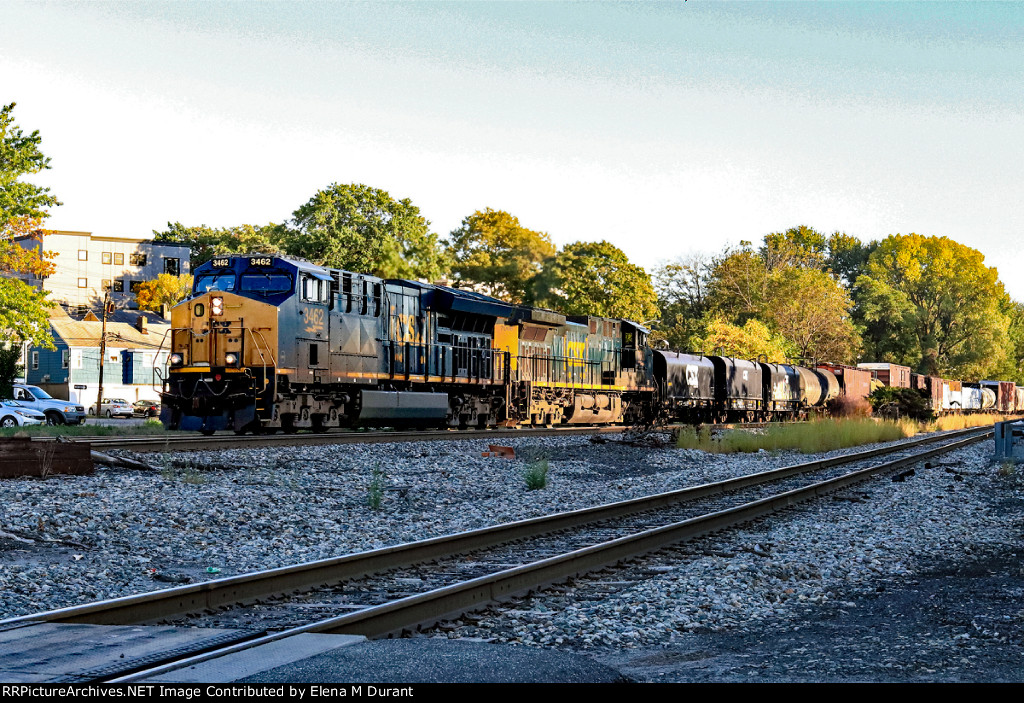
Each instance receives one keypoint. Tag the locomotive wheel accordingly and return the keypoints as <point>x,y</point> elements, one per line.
<point>207,431</point>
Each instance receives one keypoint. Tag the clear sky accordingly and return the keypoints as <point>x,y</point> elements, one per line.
<point>665,128</point>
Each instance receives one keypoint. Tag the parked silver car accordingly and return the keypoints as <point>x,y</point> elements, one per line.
<point>14,414</point>
<point>114,407</point>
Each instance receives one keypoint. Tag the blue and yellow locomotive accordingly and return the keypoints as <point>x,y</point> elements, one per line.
<point>268,343</point>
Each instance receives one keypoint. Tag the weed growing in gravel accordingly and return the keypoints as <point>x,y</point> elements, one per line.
<point>375,491</point>
<point>185,474</point>
<point>536,474</point>
<point>1006,468</point>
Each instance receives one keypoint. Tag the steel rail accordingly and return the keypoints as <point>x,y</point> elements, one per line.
<point>177,443</point>
<point>449,601</point>
<point>245,588</point>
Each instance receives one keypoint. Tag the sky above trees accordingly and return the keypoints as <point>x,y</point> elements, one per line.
<point>661,128</point>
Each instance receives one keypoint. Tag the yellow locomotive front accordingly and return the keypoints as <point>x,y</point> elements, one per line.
<point>223,356</point>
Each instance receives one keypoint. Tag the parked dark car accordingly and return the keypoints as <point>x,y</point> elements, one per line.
<point>145,408</point>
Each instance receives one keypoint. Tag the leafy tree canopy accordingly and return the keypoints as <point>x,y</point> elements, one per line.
<point>683,288</point>
<point>23,206</point>
<point>207,242</point>
<point>932,303</point>
<point>24,313</point>
<point>493,252</point>
<point>596,278</point>
<point>165,289</point>
<point>753,340</point>
<point>364,229</point>
<point>20,156</point>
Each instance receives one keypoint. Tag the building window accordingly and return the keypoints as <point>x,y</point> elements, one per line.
<point>83,255</point>
<point>118,285</point>
<point>35,361</point>
<point>172,266</point>
<point>106,257</point>
<point>133,286</point>
<point>65,358</point>
<point>118,259</point>
<point>137,260</point>
<point>83,282</point>
<point>106,284</point>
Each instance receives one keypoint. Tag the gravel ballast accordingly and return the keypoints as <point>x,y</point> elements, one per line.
<point>205,515</point>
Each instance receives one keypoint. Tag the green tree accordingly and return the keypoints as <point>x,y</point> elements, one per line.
<point>683,288</point>
<point>20,156</point>
<point>947,302</point>
<point>786,284</point>
<point>812,311</point>
<point>596,278</point>
<point>10,369</point>
<point>753,340</point>
<point>165,289</point>
<point>799,246</point>
<point>1012,368</point>
<point>364,229</point>
<point>847,256</point>
<point>492,251</point>
<point>208,242</point>
<point>23,206</point>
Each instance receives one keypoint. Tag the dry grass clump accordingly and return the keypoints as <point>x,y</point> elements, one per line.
<point>808,437</point>
<point>962,422</point>
<point>823,435</point>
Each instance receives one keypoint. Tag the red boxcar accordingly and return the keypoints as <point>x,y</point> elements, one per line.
<point>890,374</point>
<point>856,383</point>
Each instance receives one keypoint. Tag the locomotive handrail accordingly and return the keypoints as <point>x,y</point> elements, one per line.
<point>155,358</point>
<point>256,344</point>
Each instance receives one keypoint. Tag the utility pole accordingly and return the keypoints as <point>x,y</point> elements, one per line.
<point>103,350</point>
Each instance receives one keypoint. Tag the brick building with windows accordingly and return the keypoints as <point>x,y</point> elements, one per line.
<point>89,264</point>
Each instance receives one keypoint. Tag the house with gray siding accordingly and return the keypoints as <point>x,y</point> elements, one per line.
<point>89,265</point>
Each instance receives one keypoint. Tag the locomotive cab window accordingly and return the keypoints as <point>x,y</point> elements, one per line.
<point>314,290</point>
<point>267,283</point>
<point>215,281</point>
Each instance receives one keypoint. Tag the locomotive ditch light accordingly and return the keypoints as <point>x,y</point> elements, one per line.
<point>176,359</point>
<point>231,359</point>
<point>217,306</point>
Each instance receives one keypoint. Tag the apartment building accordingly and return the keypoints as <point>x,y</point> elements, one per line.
<point>89,264</point>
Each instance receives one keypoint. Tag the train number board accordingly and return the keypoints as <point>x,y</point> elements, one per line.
<point>261,260</point>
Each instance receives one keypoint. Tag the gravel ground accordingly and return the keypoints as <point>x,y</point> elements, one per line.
<point>887,567</point>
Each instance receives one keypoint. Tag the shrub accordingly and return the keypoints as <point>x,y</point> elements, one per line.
<point>536,474</point>
<point>375,491</point>
<point>900,402</point>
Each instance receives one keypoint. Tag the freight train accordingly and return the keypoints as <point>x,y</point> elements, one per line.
<point>269,343</point>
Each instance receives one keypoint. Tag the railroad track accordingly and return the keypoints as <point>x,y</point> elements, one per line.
<point>388,590</point>
<point>186,442</point>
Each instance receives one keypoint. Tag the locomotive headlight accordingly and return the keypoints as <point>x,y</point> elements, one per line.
<point>217,306</point>
<point>176,359</point>
<point>231,359</point>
